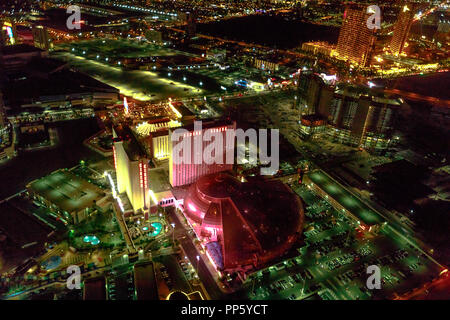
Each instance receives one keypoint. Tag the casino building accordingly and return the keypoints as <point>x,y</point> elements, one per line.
<point>131,163</point>
<point>243,225</point>
<point>144,148</point>
<point>155,136</point>
<point>187,172</point>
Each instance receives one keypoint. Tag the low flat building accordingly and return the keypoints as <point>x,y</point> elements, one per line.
<point>312,124</point>
<point>72,197</point>
<point>319,47</point>
<point>145,281</point>
<point>18,56</point>
<point>94,289</point>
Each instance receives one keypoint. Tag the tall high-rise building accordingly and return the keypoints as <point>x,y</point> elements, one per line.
<point>356,40</point>
<point>131,164</point>
<point>193,165</point>
<point>401,28</point>
<point>315,94</point>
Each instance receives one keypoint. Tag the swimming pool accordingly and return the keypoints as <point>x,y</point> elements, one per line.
<point>158,227</point>
<point>91,239</point>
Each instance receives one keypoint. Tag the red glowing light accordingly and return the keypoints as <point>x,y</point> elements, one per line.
<point>114,156</point>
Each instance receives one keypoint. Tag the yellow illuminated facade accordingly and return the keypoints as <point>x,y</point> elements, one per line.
<point>161,147</point>
<point>356,41</point>
<point>157,137</point>
<point>144,129</point>
<point>401,30</point>
<point>132,176</point>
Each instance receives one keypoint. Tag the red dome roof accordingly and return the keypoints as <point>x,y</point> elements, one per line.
<point>253,221</point>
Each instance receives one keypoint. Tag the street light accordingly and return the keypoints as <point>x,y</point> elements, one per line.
<point>173,232</point>
<point>198,259</point>
<point>303,288</point>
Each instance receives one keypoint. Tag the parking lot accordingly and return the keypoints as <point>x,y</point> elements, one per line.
<point>332,264</point>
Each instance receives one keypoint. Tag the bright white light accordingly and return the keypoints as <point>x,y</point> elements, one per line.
<point>192,207</point>
<point>152,195</point>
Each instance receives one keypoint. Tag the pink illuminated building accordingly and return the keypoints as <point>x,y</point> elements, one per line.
<point>187,173</point>
<point>243,225</point>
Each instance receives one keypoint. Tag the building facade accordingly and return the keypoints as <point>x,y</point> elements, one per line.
<point>131,165</point>
<point>362,120</point>
<point>187,172</point>
<point>351,115</point>
<point>315,94</point>
<point>356,41</point>
<point>401,29</point>
<point>41,38</point>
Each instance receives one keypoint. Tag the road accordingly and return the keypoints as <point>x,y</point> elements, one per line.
<point>134,83</point>
<point>123,228</point>
<point>417,97</point>
<point>191,251</point>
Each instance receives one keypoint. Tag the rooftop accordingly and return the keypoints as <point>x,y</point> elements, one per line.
<point>345,198</point>
<point>95,289</point>
<point>131,144</point>
<point>67,191</point>
<point>261,216</point>
<point>21,227</point>
<point>18,49</point>
<point>145,281</point>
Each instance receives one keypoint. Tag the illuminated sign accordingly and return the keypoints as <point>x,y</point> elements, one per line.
<point>125,105</point>
<point>9,31</point>
<point>328,78</point>
<point>143,175</point>
<point>141,178</point>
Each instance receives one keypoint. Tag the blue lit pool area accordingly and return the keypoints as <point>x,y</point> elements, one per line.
<point>91,239</point>
<point>158,227</point>
<point>51,263</point>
